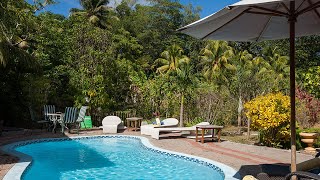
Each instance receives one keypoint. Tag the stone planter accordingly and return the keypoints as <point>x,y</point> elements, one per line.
<point>309,139</point>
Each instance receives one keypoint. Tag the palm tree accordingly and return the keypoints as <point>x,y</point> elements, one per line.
<point>215,59</point>
<point>186,82</point>
<point>171,59</point>
<point>278,64</point>
<point>173,62</point>
<point>242,77</point>
<point>96,11</point>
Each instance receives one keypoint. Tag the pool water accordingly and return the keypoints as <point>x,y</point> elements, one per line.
<point>108,158</point>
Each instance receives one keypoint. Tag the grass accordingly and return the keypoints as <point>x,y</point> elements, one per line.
<point>235,134</point>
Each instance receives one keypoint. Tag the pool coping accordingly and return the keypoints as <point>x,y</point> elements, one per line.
<point>25,160</point>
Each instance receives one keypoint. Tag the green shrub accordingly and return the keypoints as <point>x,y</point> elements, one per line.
<point>195,121</point>
<point>270,114</point>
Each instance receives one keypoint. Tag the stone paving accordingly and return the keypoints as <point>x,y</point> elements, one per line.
<point>246,159</point>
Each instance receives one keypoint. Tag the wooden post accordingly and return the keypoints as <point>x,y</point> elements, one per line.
<point>292,20</point>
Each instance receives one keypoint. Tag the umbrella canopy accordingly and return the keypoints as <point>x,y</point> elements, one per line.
<point>258,20</point>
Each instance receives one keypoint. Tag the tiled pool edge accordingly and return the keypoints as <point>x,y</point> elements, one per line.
<point>229,172</point>
<point>18,169</point>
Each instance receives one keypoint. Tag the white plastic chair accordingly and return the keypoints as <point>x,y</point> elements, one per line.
<point>110,124</point>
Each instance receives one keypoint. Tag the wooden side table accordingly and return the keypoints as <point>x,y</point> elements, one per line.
<point>136,120</point>
<point>208,127</point>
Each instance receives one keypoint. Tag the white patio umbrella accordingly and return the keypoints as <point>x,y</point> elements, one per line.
<point>258,20</point>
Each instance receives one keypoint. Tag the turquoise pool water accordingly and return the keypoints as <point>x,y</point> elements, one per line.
<point>109,158</point>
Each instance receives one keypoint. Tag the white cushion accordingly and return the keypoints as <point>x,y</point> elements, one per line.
<point>111,120</point>
<point>170,121</point>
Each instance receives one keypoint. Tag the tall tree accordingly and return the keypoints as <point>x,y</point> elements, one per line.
<point>186,83</point>
<point>214,60</point>
<point>242,78</point>
<point>97,12</point>
<point>278,64</point>
<point>171,59</point>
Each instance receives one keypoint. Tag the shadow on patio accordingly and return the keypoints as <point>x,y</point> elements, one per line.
<point>277,169</point>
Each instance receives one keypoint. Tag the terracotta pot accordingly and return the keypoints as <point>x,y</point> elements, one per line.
<point>309,139</point>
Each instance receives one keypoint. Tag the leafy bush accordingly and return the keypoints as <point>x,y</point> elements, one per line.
<point>195,121</point>
<point>270,114</point>
<point>310,80</point>
<point>308,108</point>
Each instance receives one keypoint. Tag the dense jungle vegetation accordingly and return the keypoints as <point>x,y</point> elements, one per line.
<point>132,58</point>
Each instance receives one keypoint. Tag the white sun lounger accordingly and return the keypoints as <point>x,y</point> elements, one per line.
<point>169,122</point>
<point>155,132</point>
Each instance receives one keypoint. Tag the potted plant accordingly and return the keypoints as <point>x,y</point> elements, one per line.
<point>308,109</point>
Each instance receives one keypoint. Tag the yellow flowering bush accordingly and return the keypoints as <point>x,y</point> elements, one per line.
<point>270,114</point>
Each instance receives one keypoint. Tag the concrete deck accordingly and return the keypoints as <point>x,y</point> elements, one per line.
<point>246,159</point>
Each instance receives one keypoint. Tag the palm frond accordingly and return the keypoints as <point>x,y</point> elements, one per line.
<point>184,60</point>
<point>163,69</point>
<point>161,61</point>
<point>165,55</point>
<point>230,67</point>
<point>207,52</point>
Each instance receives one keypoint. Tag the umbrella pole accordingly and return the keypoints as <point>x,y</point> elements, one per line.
<point>292,21</point>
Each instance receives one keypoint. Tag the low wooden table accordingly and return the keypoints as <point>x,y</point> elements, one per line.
<point>136,120</point>
<point>208,127</point>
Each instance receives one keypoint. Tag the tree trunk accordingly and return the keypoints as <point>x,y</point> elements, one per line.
<point>181,110</point>
<point>248,131</point>
<point>240,108</point>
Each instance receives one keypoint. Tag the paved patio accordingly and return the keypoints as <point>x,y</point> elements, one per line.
<point>246,159</point>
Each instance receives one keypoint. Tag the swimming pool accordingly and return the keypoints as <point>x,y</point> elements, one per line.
<point>112,157</point>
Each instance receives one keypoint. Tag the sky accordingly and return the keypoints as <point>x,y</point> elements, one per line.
<point>208,6</point>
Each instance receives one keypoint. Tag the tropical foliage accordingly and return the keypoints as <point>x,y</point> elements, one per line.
<point>130,57</point>
<point>215,57</point>
<point>270,114</point>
